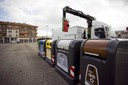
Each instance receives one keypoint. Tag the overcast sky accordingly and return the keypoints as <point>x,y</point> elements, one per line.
<point>47,14</point>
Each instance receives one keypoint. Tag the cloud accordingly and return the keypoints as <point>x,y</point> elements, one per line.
<point>47,14</point>
<point>116,1</point>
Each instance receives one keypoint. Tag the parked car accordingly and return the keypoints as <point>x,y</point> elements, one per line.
<point>13,41</point>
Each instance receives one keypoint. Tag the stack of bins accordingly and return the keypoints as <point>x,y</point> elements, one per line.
<point>50,52</point>
<point>104,62</point>
<point>42,48</point>
<point>68,60</point>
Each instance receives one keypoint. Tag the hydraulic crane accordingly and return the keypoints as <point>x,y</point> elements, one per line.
<point>89,19</point>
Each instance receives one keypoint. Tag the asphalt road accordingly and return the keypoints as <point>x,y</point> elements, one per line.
<point>20,65</point>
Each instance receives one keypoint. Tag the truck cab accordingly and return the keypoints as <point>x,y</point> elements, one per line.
<point>99,30</point>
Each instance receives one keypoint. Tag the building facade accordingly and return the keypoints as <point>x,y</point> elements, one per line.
<point>22,32</point>
<point>75,32</point>
<point>122,33</point>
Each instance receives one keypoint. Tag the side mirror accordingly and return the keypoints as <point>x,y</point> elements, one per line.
<point>126,28</point>
<point>65,25</point>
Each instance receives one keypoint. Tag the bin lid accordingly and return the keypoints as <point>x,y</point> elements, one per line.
<point>64,44</point>
<point>97,48</point>
<point>41,40</point>
<point>48,43</point>
<point>120,39</point>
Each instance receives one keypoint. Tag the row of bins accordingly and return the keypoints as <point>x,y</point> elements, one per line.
<point>47,50</point>
<point>88,62</point>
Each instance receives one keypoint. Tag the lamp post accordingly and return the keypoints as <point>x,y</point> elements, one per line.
<point>46,31</point>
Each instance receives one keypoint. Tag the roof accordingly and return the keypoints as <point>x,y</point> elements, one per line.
<point>17,24</point>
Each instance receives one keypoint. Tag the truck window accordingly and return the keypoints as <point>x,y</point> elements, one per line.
<point>100,32</point>
<point>84,35</point>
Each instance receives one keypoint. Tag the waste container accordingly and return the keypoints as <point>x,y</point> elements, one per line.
<point>68,60</point>
<point>42,48</point>
<point>50,52</point>
<point>104,62</point>
<point>38,43</point>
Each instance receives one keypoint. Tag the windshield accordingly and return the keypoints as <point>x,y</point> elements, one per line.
<point>110,32</point>
<point>100,32</point>
<point>105,32</point>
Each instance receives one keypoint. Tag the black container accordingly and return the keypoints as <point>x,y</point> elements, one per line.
<point>68,60</point>
<point>104,62</point>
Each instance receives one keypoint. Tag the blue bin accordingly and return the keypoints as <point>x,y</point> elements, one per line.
<point>42,49</point>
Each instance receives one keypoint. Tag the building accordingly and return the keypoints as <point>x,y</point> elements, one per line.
<point>75,32</point>
<point>12,31</point>
<point>122,33</point>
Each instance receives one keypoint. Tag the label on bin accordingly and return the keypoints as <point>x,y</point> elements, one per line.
<point>91,76</point>
<point>48,54</point>
<point>41,48</point>
<point>62,61</point>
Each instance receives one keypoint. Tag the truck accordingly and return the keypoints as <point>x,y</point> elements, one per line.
<point>94,30</point>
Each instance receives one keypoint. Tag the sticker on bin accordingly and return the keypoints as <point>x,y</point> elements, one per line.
<point>91,76</point>
<point>48,53</point>
<point>53,58</point>
<point>62,61</point>
<point>41,48</point>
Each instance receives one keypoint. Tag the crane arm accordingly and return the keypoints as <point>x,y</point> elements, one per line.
<point>67,9</point>
<point>89,18</point>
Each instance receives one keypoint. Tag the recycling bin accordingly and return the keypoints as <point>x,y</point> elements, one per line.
<point>68,60</point>
<point>50,52</point>
<point>42,48</point>
<point>38,43</point>
<point>104,62</point>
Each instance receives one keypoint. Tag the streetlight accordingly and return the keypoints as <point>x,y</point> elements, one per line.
<point>46,31</point>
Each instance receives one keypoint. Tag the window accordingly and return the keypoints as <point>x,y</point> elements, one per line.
<point>9,26</point>
<point>3,30</point>
<point>33,32</point>
<point>10,31</point>
<point>25,34</point>
<point>16,31</point>
<point>100,33</point>
<point>16,35</point>
<point>1,25</point>
<point>10,35</point>
<point>107,29</point>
